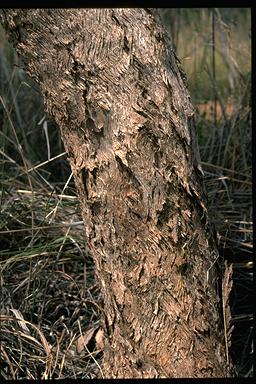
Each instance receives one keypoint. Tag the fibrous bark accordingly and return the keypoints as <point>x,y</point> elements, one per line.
<point>114,86</point>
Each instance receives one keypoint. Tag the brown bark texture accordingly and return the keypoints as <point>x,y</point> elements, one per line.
<point>114,86</point>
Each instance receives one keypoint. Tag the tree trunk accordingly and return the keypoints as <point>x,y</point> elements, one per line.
<point>114,86</point>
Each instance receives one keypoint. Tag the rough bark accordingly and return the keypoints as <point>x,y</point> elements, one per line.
<point>113,84</point>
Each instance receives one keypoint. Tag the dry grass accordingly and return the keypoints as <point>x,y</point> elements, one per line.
<point>51,303</point>
<point>47,278</point>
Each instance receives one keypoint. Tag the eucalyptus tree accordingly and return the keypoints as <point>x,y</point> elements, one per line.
<point>114,86</point>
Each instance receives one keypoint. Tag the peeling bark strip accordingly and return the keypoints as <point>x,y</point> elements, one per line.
<point>113,85</point>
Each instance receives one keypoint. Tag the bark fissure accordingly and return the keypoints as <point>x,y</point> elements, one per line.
<point>115,89</point>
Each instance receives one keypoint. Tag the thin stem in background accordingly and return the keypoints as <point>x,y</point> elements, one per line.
<point>214,67</point>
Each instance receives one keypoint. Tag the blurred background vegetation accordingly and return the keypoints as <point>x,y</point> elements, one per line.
<point>50,299</point>
<point>195,32</point>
